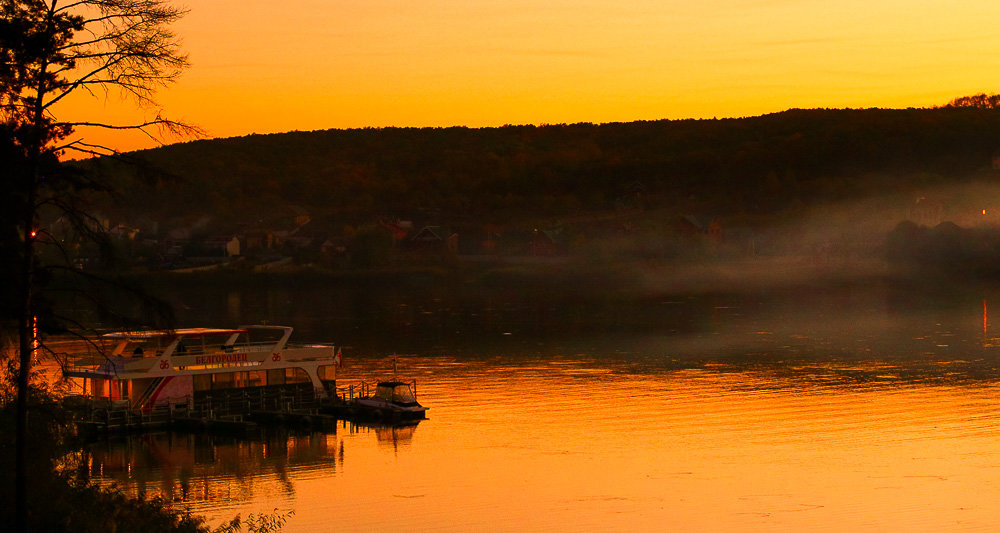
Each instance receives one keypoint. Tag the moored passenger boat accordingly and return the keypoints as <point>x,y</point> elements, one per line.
<point>391,400</point>
<point>150,368</point>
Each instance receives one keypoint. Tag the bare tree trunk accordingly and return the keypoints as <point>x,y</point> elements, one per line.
<point>122,44</point>
<point>26,328</point>
<point>26,344</point>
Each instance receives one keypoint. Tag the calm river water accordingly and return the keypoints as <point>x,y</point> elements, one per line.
<point>822,409</point>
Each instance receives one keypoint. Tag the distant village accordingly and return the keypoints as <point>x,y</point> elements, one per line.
<point>296,239</point>
<point>293,239</point>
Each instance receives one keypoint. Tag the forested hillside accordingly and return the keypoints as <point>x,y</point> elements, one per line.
<point>763,166</point>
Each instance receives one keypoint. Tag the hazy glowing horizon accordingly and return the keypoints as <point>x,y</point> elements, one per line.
<point>266,67</point>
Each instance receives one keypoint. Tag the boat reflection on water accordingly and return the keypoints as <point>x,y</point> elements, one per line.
<point>202,467</point>
<point>204,471</point>
<point>396,436</point>
<point>828,410</point>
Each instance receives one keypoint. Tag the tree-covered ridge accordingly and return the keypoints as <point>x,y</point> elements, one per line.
<point>748,166</point>
<point>981,101</point>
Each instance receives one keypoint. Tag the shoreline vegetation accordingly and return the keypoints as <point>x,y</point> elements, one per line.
<point>824,185</point>
<point>59,488</point>
<point>632,282</point>
<point>58,493</point>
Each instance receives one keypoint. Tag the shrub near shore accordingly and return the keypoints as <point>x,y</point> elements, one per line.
<point>61,498</point>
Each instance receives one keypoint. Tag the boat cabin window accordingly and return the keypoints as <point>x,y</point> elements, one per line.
<point>276,376</point>
<point>139,349</point>
<point>395,392</point>
<point>132,348</point>
<point>202,382</point>
<point>328,373</point>
<point>227,343</point>
<point>296,375</point>
<point>222,380</point>
<point>229,380</point>
<point>98,388</point>
<point>256,378</point>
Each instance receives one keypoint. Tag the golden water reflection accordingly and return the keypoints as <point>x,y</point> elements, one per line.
<point>200,471</point>
<point>580,443</point>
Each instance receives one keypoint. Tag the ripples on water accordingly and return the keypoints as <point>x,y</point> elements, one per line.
<point>573,443</point>
<point>728,423</point>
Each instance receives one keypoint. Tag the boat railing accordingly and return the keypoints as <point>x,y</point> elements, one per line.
<point>251,347</point>
<point>96,360</point>
<point>86,362</point>
<point>214,405</point>
<point>241,401</point>
<point>364,389</point>
<point>298,346</point>
<point>255,347</point>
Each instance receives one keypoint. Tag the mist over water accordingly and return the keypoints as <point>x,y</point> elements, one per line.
<point>783,392</point>
<point>887,318</point>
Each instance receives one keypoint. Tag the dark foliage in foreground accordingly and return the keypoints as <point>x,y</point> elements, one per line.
<point>59,499</point>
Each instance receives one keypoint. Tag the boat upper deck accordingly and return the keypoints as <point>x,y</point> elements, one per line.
<point>171,333</point>
<point>195,350</point>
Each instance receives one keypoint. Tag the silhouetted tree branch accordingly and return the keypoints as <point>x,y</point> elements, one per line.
<point>50,49</point>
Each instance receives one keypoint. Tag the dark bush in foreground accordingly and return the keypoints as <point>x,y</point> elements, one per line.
<point>59,499</point>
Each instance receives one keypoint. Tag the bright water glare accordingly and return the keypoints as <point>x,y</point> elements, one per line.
<point>824,411</point>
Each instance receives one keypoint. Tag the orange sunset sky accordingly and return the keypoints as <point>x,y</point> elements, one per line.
<point>263,66</point>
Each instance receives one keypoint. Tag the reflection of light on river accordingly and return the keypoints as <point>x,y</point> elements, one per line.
<point>576,442</point>
<point>204,472</point>
<point>847,414</point>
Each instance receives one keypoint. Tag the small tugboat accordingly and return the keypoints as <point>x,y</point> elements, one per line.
<point>392,400</point>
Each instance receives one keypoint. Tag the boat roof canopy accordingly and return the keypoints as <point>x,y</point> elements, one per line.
<point>396,392</point>
<point>172,333</point>
<point>392,384</point>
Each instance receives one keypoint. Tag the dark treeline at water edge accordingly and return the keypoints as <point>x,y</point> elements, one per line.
<point>432,313</point>
<point>808,183</point>
<point>750,166</point>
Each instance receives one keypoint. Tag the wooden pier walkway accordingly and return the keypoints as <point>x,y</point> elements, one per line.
<point>237,411</point>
